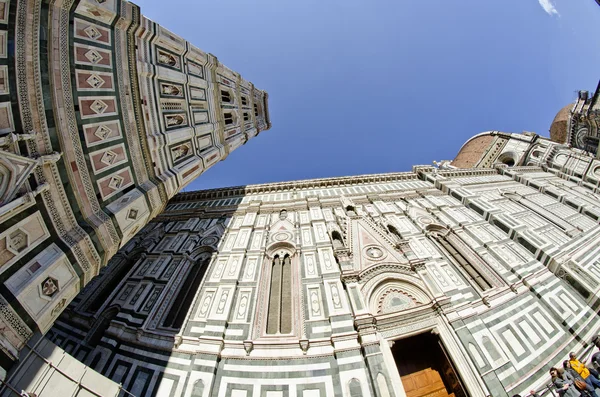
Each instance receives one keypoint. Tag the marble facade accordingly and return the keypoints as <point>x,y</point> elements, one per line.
<point>301,288</point>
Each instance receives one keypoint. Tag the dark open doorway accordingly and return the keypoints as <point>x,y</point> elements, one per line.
<point>425,368</point>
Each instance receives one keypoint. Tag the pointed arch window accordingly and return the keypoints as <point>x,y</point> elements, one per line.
<point>473,274</point>
<point>469,262</point>
<point>187,291</point>
<point>279,317</point>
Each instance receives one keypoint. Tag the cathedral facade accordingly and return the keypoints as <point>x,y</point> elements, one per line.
<point>471,278</point>
<point>104,117</point>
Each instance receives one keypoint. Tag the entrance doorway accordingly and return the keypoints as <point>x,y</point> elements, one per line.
<point>425,368</point>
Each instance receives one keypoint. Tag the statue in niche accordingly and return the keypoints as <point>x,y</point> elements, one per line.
<point>170,89</point>
<point>173,120</point>
<point>180,151</point>
<point>166,59</point>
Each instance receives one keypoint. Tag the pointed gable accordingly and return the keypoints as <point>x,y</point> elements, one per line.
<point>371,245</point>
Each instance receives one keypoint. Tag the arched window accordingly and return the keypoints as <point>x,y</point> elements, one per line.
<point>244,101</point>
<point>225,96</point>
<point>101,325</point>
<point>338,243</point>
<point>228,118</point>
<point>354,388</point>
<point>187,291</point>
<point>394,231</point>
<point>246,116</point>
<point>255,110</point>
<point>491,349</point>
<point>350,210</point>
<point>279,318</point>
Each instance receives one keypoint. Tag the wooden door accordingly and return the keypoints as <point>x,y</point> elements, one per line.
<point>427,382</point>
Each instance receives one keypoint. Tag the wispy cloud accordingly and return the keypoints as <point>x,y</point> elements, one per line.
<point>548,7</point>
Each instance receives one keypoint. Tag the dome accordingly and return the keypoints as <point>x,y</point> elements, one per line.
<point>473,150</point>
<point>558,129</point>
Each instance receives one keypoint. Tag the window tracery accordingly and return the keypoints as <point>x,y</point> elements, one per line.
<point>468,261</point>
<point>279,317</point>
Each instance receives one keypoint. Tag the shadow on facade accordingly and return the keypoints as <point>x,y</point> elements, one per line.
<point>124,324</point>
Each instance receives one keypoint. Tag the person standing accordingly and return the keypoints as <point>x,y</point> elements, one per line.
<point>583,371</point>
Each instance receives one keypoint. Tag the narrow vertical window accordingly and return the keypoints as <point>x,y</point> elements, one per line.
<point>255,110</point>
<point>246,116</point>
<point>182,303</point>
<point>244,101</point>
<point>473,274</point>
<point>279,318</point>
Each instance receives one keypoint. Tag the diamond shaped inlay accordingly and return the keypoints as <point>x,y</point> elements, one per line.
<point>98,106</point>
<point>93,56</point>
<point>102,132</point>
<point>115,182</point>
<point>92,32</point>
<point>95,81</point>
<point>17,241</point>
<point>132,214</point>
<point>109,157</point>
<point>49,286</point>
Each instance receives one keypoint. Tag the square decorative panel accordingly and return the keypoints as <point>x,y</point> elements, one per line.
<point>109,157</point>
<point>103,132</point>
<point>115,182</point>
<point>92,32</point>
<point>93,56</point>
<point>95,81</point>
<point>98,106</point>
<point>17,241</point>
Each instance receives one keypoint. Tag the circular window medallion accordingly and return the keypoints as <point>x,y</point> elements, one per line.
<point>374,252</point>
<point>425,220</point>
<point>281,237</point>
<point>209,241</point>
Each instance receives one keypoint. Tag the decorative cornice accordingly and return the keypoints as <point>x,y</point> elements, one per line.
<point>278,187</point>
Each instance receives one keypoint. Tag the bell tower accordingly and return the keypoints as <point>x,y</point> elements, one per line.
<point>103,118</point>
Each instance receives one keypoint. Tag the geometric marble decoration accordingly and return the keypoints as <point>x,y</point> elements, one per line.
<point>17,241</point>
<point>132,214</point>
<point>92,32</point>
<point>98,106</point>
<point>93,56</point>
<point>115,182</point>
<point>109,157</point>
<point>102,132</point>
<point>95,81</point>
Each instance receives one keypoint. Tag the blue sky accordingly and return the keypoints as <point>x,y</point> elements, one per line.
<point>358,87</point>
